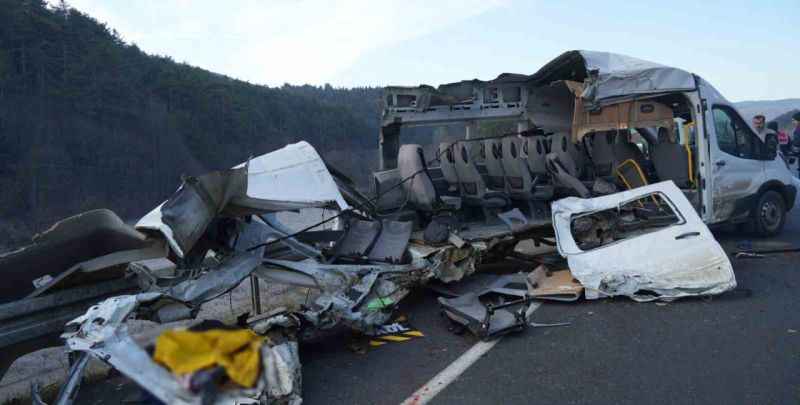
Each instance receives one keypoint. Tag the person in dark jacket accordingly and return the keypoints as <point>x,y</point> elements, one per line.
<point>796,133</point>
<point>795,138</point>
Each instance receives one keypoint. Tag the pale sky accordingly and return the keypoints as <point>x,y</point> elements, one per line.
<point>749,50</point>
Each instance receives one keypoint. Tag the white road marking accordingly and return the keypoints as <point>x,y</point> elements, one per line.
<point>440,381</point>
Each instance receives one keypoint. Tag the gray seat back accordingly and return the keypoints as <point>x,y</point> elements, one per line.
<point>358,238</point>
<point>603,152</point>
<point>561,177</point>
<point>385,186</point>
<point>469,177</point>
<point>518,177</point>
<point>419,188</point>
<point>578,154</point>
<point>624,150</point>
<point>563,147</point>
<point>447,157</point>
<point>392,241</point>
<point>494,163</point>
<point>535,150</point>
<point>671,162</point>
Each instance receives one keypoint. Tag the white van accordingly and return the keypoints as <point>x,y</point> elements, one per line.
<point>587,123</point>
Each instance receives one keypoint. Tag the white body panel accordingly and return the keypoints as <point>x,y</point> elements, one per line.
<point>732,178</point>
<point>293,174</point>
<point>678,260</point>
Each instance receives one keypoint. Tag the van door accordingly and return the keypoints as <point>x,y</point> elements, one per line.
<point>645,243</point>
<point>736,167</point>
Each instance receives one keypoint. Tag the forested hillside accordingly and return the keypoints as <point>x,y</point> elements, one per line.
<point>89,121</point>
<point>770,108</point>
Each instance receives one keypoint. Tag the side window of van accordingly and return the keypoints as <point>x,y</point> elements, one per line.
<point>734,137</point>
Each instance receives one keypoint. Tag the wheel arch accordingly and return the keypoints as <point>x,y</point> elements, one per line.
<point>788,192</point>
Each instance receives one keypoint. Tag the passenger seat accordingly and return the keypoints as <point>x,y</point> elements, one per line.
<point>518,178</point>
<point>562,177</point>
<point>672,162</point>
<point>624,150</point>
<point>535,150</point>
<point>473,188</point>
<point>563,147</point>
<point>603,153</point>
<point>494,164</point>
<point>419,187</point>
<point>448,164</point>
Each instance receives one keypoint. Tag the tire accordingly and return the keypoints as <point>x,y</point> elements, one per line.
<point>769,214</point>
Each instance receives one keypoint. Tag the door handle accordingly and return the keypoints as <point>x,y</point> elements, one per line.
<point>687,235</point>
<point>720,163</point>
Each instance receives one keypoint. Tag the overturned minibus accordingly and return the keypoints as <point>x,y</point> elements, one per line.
<point>587,123</point>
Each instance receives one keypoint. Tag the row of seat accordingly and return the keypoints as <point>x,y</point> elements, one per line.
<point>670,161</point>
<point>514,165</point>
<point>529,168</point>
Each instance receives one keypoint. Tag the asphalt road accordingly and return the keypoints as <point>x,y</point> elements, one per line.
<point>737,348</point>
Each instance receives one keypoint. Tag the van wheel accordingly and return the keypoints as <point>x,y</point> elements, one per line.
<point>770,214</point>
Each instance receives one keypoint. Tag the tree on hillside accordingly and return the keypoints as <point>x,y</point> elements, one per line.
<point>88,120</point>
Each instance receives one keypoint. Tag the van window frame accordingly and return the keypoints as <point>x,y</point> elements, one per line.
<point>757,152</point>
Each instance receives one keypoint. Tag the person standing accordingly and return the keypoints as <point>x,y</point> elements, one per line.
<point>767,136</point>
<point>759,123</point>
<point>794,149</point>
<point>783,137</point>
<point>795,141</point>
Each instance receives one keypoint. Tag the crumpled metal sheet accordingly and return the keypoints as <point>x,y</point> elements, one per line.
<point>63,248</point>
<point>294,177</point>
<point>449,264</point>
<point>267,227</point>
<point>617,75</point>
<point>216,282</point>
<point>679,260</point>
<point>102,332</point>
<point>190,210</point>
<point>359,296</point>
<point>289,178</point>
<point>513,285</point>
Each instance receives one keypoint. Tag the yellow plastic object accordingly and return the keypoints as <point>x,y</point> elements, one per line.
<point>237,351</point>
<point>638,171</point>
<point>691,169</point>
<point>687,130</point>
<point>636,168</point>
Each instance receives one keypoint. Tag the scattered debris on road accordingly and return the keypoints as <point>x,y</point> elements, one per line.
<point>93,273</point>
<point>221,229</point>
